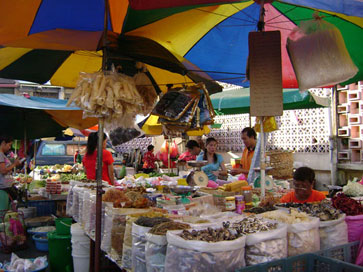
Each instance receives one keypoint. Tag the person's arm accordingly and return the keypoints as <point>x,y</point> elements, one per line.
<point>4,170</point>
<point>111,174</point>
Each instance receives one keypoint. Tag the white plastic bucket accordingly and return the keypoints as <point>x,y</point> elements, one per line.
<point>80,241</point>
<point>80,263</point>
<point>81,249</point>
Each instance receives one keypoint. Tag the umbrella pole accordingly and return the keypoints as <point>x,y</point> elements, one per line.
<point>262,160</point>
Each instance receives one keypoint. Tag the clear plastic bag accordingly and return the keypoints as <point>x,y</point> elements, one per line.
<point>318,54</point>
<point>75,206</point>
<point>127,247</point>
<point>266,246</point>
<point>138,247</point>
<point>90,214</point>
<point>303,237</point>
<point>80,205</point>
<point>85,209</point>
<point>155,252</point>
<point>106,237</point>
<point>185,255</point>
<point>333,233</point>
<point>69,205</point>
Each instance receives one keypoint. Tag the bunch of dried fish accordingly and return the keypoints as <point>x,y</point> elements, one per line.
<point>324,210</point>
<point>151,221</point>
<point>116,97</point>
<point>210,235</point>
<point>162,228</point>
<point>258,210</point>
<point>250,225</point>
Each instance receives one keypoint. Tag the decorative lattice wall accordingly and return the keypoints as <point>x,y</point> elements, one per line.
<point>304,131</point>
<point>140,143</point>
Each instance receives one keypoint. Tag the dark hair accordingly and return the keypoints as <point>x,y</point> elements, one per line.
<point>6,139</point>
<point>205,155</point>
<point>150,147</point>
<point>304,173</point>
<point>92,142</point>
<point>191,144</point>
<point>250,132</point>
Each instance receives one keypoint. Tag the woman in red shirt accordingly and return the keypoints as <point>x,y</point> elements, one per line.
<point>90,160</point>
<point>149,160</point>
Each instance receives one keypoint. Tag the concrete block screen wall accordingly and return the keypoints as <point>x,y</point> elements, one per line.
<point>350,123</point>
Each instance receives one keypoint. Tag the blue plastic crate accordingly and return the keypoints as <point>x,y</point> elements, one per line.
<point>347,252</point>
<point>44,207</point>
<point>304,263</point>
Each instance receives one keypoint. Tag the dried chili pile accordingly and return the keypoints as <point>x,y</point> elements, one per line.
<point>347,205</point>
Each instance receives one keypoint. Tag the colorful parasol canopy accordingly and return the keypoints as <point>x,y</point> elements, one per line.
<point>212,35</point>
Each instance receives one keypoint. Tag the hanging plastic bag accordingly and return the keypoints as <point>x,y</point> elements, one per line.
<point>328,233</point>
<point>318,54</point>
<point>269,124</point>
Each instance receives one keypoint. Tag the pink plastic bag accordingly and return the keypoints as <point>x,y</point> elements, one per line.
<point>355,229</point>
<point>359,260</point>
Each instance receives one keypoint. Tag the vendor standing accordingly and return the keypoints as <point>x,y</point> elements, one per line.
<point>192,152</point>
<point>215,166</point>
<point>304,178</point>
<point>6,180</point>
<point>149,160</point>
<point>248,136</point>
<point>90,159</point>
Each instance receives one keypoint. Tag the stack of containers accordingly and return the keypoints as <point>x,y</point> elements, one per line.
<point>80,248</point>
<point>59,243</point>
<point>53,187</point>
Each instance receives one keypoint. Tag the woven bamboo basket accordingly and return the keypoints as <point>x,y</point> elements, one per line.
<point>282,163</point>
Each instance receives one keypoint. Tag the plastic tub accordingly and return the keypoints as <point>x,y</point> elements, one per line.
<point>63,225</point>
<point>41,242</point>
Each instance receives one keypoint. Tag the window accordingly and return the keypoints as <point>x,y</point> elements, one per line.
<point>72,148</point>
<point>54,150</point>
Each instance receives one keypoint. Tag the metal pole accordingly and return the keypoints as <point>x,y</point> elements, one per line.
<point>262,160</point>
<point>332,112</point>
<point>99,156</point>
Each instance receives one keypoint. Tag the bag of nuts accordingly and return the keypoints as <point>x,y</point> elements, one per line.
<point>220,250</point>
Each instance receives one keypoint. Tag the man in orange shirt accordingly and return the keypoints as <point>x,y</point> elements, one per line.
<point>248,136</point>
<point>304,178</point>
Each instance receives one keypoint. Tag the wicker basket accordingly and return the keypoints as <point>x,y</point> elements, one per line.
<point>282,163</point>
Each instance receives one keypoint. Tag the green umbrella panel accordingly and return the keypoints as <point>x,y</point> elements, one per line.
<point>237,101</point>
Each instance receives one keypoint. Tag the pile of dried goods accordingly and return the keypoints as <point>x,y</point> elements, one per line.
<point>151,221</point>
<point>250,225</point>
<point>162,228</point>
<point>210,235</point>
<point>347,205</point>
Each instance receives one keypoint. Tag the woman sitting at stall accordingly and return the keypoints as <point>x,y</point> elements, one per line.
<point>6,167</point>
<point>304,178</point>
<point>90,159</point>
<point>215,161</point>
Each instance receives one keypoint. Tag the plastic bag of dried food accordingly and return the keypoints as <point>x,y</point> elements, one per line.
<point>192,255</point>
<point>106,237</point>
<point>303,237</point>
<point>138,247</point>
<point>80,205</point>
<point>333,233</point>
<point>91,214</point>
<point>118,230</point>
<point>318,54</point>
<point>69,205</point>
<point>86,202</point>
<point>266,246</point>
<point>155,252</point>
<point>75,206</point>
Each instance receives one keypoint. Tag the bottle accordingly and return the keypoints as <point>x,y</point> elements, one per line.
<point>79,157</point>
<point>247,193</point>
<point>230,203</point>
<point>240,204</point>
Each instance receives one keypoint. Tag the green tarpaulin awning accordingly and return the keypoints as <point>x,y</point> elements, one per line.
<point>237,101</point>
